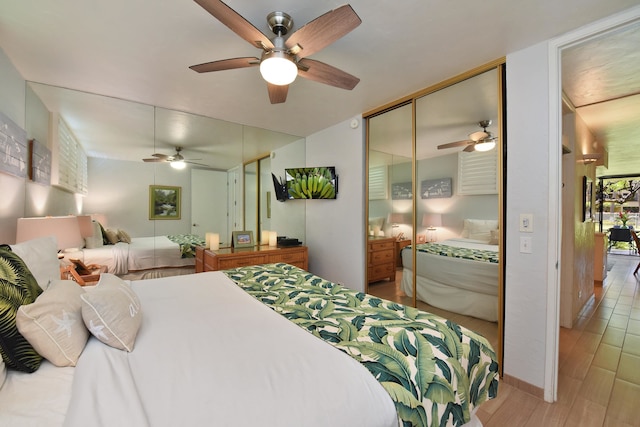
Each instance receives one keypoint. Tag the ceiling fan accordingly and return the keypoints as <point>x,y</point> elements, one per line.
<point>282,60</point>
<point>478,141</point>
<point>177,160</point>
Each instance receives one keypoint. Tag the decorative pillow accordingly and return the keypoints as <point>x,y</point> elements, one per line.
<point>96,240</point>
<point>17,287</point>
<point>123,236</point>
<point>111,312</point>
<point>479,229</point>
<point>112,236</point>
<point>495,237</point>
<point>53,323</point>
<point>41,258</point>
<point>105,240</point>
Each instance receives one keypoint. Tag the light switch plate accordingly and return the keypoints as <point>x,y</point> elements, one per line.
<point>525,245</point>
<point>526,223</point>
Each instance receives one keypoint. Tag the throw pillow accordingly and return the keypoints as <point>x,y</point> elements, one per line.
<point>41,258</point>
<point>112,236</point>
<point>123,236</point>
<point>96,240</point>
<point>53,323</point>
<point>17,287</point>
<point>111,312</point>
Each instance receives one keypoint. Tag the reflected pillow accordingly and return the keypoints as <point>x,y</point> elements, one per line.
<point>123,236</point>
<point>17,287</point>
<point>112,236</point>
<point>53,323</point>
<point>111,312</point>
<point>95,241</point>
<point>41,258</point>
<point>479,229</point>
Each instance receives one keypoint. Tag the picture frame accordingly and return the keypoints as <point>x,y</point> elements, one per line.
<point>421,238</point>
<point>587,192</point>
<point>165,202</point>
<point>436,188</point>
<point>401,191</point>
<point>242,239</point>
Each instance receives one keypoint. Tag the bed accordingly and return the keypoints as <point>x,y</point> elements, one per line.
<point>458,275</point>
<point>262,345</point>
<point>144,257</point>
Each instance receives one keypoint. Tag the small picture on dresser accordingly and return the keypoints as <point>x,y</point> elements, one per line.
<point>243,239</point>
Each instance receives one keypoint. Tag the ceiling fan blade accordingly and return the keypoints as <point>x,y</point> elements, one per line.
<point>195,163</point>
<point>277,94</point>
<point>470,148</point>
<point>226,64</point>
<point>324,30</point>
<point>160,156</point>
<point>236,23</point>
<point>325,73</point>
<point>454,144</point>
<point>154,160</point>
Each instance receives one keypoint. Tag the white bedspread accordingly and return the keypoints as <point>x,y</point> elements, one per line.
<point>143,253</point>
<point>208,354</point>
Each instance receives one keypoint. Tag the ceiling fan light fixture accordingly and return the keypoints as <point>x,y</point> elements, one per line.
<point>278,69</point>
<point>178,164</point>
<point>485,145</point>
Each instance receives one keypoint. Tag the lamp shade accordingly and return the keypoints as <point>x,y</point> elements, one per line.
<point>397,218</point>
<point>66,230</point>
<point>432,220</point>
<point>278,69</point>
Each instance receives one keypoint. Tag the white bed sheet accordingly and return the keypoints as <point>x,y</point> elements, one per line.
<point>38,399</point>
<point>247,366</point>
<point>455,284</point>
<point>143,253</point>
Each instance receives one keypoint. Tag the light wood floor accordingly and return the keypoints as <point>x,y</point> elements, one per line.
<point>599,360</point>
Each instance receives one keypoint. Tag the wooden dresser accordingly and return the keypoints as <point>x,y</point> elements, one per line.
<point>224,258</point>
<point>381,259</point>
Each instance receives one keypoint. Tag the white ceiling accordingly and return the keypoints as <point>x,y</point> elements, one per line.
<point>140,50</point>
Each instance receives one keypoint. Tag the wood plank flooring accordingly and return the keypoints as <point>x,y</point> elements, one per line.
<point>599,360</point>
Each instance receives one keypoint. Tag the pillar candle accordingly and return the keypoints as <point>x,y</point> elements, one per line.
<point>273,238</point>
<point>212,241</point>
<point>264,238</point>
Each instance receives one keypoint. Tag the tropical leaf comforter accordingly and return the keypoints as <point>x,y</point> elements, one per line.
<point>188,243</point>
<point>435,371</point>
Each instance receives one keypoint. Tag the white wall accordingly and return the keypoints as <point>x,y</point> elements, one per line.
<point>288,218</point>
<point>120,191</point>
<point>528,136</point>
<point>335,228</point>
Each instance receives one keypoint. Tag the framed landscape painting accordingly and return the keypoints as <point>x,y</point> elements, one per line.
<point>164,202</point>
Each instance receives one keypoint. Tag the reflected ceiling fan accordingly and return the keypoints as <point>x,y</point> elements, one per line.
<point>478,141</point>
<point>284,59</point>
<point>177,160</point>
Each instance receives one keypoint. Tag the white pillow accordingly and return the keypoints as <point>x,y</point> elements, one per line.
<point>94,241</point>
<point>111,312</point>
<point>53,323</point>
<point>41,257</point>
<point>479,229</point>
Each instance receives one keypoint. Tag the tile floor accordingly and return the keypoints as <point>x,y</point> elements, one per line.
<point>599,360</point>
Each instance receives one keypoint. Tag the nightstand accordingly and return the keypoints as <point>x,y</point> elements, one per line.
<point>399,245</point>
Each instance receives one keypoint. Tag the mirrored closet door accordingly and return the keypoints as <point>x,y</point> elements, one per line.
<point>435,184</point>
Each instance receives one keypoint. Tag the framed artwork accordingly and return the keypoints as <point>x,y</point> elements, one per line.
<point>401,191</point>
<point>164,202</point>
<point>435,188</point>
<point>421,238</point>
<point>243,239</point>
<point>587,191</point>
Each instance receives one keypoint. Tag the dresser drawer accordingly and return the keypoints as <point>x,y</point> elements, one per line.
<point>382,256</point>
<point>224,263</point>
<point>289,258</point>
<point>382,245</point>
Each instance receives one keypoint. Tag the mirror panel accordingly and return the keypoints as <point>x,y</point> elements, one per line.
<point>451,188</point>
<point>117,134</point>
<point>390,193</point>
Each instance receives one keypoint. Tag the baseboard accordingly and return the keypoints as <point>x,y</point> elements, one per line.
<point>524,386</point>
